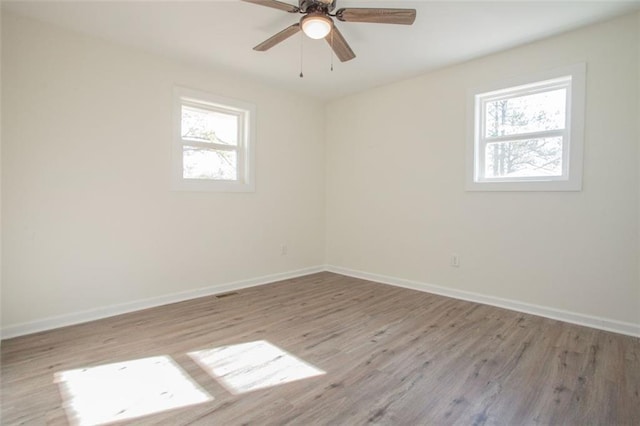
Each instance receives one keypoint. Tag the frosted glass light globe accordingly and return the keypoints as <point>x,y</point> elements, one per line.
<point>316,26</point>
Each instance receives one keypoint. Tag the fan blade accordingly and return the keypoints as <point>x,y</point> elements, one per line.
<point>280,37</point>
<point>276,5</point>
<point>377,16</point>
<point>340,45</point>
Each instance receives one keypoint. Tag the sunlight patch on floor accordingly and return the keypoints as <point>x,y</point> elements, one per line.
<point>246,367</point>
<point>126,390</point>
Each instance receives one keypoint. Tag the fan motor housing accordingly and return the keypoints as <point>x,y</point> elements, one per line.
<point>316,5</point>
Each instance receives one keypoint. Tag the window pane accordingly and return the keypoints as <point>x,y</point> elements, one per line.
<point>209,126</point>
<point>530,158</point>
<point>203,163</point>
<point>524,114</point>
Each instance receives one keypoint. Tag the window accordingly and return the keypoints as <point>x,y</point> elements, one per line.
<point>212,149</point>
<point>527,134</point>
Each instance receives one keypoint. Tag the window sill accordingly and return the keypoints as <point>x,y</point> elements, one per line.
<point>201,185</point>
<point>551,185</point>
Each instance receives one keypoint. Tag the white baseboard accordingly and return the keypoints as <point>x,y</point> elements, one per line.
<point>109,311</point>
<point>123,308</point>
<point>606,324</point>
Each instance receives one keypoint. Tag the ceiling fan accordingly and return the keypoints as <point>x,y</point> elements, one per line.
<point>317,22</point>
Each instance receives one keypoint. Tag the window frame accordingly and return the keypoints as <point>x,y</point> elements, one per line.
<point>573,78</point>
<point>246,113</point>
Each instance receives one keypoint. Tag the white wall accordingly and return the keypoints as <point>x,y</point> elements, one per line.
<point>88,218</point>
<point>396,204</point>
<point>0,171</point>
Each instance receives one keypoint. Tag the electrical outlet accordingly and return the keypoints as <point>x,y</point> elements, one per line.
<point>455,261</point>
<point>283,249</point>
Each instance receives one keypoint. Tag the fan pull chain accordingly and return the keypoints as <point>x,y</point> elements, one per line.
<point>301,50</point>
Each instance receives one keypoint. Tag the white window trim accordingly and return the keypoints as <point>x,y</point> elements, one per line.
<point>246,142</point>
<point>574,134</point>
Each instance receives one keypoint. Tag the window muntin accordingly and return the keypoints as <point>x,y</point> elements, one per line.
<point>212,143</point>
<point>527,135</point>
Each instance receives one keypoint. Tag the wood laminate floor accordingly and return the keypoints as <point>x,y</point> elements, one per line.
<point>360,352</point>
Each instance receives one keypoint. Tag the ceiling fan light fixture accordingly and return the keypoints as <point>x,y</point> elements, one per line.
<point>316,25</point>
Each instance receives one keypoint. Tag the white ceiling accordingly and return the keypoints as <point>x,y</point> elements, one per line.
<point>221,34</point>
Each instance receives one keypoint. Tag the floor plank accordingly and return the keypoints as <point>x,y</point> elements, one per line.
<point>390,356</point>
